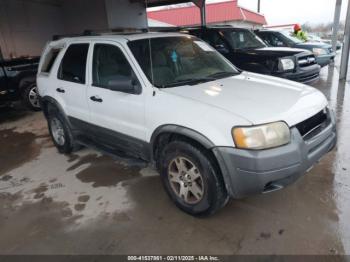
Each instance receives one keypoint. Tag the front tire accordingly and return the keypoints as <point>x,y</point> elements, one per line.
<point>60,132</point>
<point>191,179</point>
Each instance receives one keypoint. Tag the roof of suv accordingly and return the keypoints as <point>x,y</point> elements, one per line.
<point>225,27</point>
<point>117,36</point>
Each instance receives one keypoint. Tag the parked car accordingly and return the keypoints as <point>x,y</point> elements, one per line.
<point>18,81</point>
<point>170,99</point>
<point>323,52</point>
<point>329,42</point>
<point>246,51</point>
<point>316,38</point>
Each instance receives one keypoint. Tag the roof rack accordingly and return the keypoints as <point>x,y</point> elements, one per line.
<point>180,28</point>
<point>114,31</point>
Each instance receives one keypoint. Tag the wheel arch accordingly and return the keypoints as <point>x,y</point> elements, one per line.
<point>183,131</point>
<point>47,101</point>
<point>167,133</point>
<point>26,79</point>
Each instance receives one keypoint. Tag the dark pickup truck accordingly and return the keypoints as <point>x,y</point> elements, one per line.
<point>17,82</point>
<point>248,52</point>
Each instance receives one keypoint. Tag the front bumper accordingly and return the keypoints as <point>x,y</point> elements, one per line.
<point>324,60</point>
<point>305,75</point>
<point>248,172</point>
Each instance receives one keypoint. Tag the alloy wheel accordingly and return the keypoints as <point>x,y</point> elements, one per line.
<point>33,97</point>
<point>57,131</point>
<point>186,180</point>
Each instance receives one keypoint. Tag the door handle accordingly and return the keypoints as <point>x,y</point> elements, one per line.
<point>60,90</point>
<point>96,99</point>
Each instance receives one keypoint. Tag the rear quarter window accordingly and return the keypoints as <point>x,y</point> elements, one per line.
<point>50,59</point>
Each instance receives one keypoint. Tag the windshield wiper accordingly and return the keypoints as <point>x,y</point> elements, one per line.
<point>190,81</point>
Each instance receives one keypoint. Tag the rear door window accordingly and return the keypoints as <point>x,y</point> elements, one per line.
<point>73,64</point>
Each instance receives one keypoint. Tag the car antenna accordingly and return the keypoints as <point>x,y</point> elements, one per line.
<point>150,56</point>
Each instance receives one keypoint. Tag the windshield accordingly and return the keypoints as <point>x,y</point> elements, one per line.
<point>243,39</point>
<point>291,38</point>
<point>179,61</point>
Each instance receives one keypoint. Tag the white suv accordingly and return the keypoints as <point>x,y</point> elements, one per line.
<point>211,130</point>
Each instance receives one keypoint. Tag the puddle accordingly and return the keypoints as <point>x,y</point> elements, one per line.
<point>16,149</point>
<point>103,171</point>
<point>45,219</point>
<point>84,198</point>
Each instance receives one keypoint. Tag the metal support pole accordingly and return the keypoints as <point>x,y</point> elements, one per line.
<point>259,6</point>
<point>201,5</point>
<point>346,47</point>
<point>336,24</point>
<point>203,15</point>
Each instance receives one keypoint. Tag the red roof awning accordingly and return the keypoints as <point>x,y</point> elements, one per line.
<point>216,13</point>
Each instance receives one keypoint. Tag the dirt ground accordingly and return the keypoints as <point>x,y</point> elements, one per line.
<point>88,203</point>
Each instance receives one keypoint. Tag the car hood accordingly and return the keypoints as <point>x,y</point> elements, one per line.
<point>313,44</point>
<point>275,51</point>
<point>257,98</point>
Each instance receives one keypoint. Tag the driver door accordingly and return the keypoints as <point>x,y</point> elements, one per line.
<point>118,116</point>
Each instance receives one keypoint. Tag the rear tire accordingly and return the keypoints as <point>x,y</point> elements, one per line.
<point>60,132</point>
<point>191,179</point>
<point>30,97</point>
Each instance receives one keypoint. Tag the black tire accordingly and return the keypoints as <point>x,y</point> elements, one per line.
<point>214,196</point>
<point>68,145</point>
<point>29,92</point>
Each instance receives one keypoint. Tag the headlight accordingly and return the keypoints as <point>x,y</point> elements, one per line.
<point>286,64</point>
<point>262,136</point>
<point>319,51</point>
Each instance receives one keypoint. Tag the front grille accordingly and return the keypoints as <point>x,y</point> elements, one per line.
<point>308,78</point>
<point>306,60</point>
<point>312,123</point>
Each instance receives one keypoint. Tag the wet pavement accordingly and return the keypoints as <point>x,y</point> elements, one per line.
<point>88,203</point>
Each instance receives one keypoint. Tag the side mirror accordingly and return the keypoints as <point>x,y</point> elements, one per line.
<point>124,84</point>
<point>222,49</point>
<point>279,43</point>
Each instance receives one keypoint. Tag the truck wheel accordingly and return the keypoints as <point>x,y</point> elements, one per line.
<point>60,132</point>
<point>30,97</point>
<point>191,180</point>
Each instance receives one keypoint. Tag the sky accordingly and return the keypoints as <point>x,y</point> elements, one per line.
<point>295,11</point>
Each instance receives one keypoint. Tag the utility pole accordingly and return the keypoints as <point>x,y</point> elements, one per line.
<point>346,47</point>
<point>336,24</point>
<point>259,6</point>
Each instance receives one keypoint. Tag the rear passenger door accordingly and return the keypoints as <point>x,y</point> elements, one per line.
<point>70,86</point>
